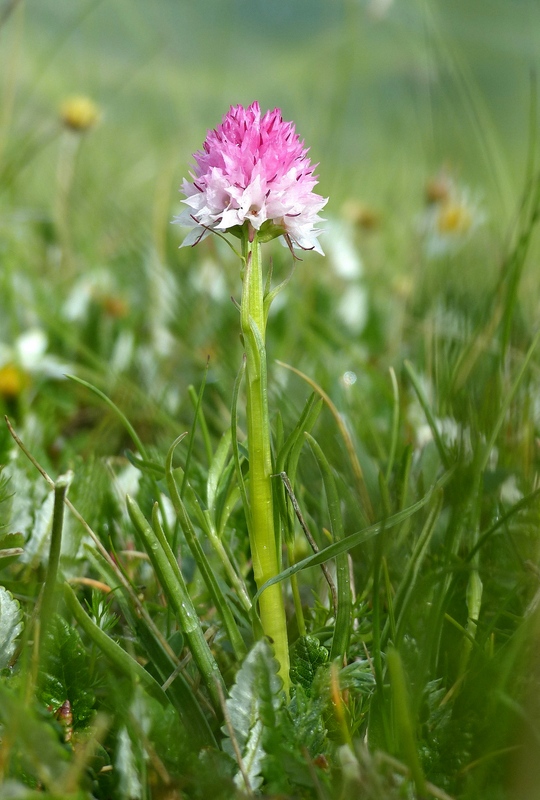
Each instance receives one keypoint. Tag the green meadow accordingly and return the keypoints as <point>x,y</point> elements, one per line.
<point>403,391</point>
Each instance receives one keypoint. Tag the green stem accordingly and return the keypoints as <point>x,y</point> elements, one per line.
<point>48,598</point>
<point>263,539</point>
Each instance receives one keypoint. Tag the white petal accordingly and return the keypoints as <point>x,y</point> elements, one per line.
<point>30,347</point>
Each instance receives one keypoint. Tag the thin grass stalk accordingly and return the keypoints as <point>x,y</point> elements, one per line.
<point>201,560</point>
<point>112,651</point>
<point>178,595</point>
<point>342,629</point>
<point>404,722</point>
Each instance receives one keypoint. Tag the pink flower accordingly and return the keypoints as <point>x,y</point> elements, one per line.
<point>256,170</point>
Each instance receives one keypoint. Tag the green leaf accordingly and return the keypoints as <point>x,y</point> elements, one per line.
<point>174,586</point>
<point>35,742</point>
<point>342,628</point>
<point>307,655</point>
<point>65,675</point>
<point>123,662</point>
<point>216,469</point>
<point>300,731</point>
<point>10,626</point>
<point>254,702</point>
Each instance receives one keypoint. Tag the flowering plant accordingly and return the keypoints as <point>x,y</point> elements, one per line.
<point>255,170</point>
<point>253,179</point>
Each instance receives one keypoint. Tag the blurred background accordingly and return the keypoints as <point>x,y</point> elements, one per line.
<point>419,113</point>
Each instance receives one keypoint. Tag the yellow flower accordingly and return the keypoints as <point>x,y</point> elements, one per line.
<point>79,113</point>
<point>12,381</point>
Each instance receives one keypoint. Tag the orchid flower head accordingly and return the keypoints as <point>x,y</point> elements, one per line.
<point>253,169</point>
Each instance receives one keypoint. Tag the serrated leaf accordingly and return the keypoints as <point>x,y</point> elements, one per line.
<point>300,727</point>
<point>10,626</point>
<point>65,675</point>
<point>307,655</point>
<point>254,701</point>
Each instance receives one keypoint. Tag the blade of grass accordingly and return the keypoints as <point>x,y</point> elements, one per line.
<point>180,693</point>
<point>234,442</point>
<point>178,596</point>
<point>395,426</point>
<point>342,628</point>
<point>113,652</point>
<point>422,399</point>
<point>507,401</point>
<point>201,560</point>
<point>199,417</point>
<point>355,539</point>
<point>357,469</point>
<point>47,606</point>
<point>404,723</point>
<point>406,585</point>
<point>120,414</point>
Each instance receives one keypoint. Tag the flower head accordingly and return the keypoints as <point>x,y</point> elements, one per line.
<point>253,169</point>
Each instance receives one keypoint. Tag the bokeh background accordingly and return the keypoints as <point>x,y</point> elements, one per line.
<point>398,101</point>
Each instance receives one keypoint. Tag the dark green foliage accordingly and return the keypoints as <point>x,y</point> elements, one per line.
<point>297,747</point>
<point>37,754</point>
<point>65,674</point>
<point>307,655</point>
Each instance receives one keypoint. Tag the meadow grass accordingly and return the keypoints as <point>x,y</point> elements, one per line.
<point>403,393</point>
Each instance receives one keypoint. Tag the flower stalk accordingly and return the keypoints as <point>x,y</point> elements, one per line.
<point>264,539</point>
<point>253,179</point>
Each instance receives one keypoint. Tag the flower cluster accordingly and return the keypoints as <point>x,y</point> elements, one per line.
<point>253,169</point>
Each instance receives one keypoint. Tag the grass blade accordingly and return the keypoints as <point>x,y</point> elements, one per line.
<point>178,596</point>
<point>342,630</point>
<point>201,560</point>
